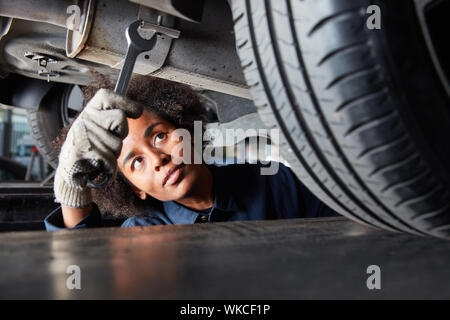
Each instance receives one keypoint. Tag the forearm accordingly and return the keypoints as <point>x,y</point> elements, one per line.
<point>72,216</point>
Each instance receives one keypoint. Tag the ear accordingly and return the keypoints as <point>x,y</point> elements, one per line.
<point>141,194</point>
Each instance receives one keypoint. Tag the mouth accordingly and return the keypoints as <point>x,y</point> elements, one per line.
<point>173,175</point>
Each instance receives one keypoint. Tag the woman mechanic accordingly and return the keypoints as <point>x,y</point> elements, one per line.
<point>133,139</point>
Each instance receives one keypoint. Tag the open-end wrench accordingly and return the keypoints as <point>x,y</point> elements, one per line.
<point>136,45</point>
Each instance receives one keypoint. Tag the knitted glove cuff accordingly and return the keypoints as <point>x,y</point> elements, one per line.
<point>71,196</point>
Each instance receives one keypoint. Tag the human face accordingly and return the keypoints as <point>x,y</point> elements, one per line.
<point>147,160</point>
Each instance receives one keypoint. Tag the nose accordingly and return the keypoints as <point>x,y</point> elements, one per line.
<point>158,158</point>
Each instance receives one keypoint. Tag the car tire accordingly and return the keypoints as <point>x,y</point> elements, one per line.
<point>363,114</point>
<point>49,118</point>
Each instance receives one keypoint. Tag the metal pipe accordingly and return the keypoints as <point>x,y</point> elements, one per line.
<point>49,11</point>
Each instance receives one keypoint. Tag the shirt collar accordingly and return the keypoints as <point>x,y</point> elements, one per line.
<point>179,214</point>
<point>224,199</point>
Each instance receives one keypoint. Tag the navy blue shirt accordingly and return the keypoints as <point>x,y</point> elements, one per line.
<point>240,193</point>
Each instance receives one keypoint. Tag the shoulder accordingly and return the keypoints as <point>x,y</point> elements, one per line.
<point>282,174</point>
<point>255,176</point>
<point>248,169</point>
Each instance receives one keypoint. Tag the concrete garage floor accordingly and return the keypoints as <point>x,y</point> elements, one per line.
<point>287,259</point>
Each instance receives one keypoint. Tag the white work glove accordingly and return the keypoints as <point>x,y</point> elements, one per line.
<point>93,143</point>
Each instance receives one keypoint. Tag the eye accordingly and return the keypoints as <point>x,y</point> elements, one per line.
<point>137,163</point>
<point>159,137</point>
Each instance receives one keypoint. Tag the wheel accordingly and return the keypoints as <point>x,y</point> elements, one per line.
<point>364,114</point>
<point>56,110</point>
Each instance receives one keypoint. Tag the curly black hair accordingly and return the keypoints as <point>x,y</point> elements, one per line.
<point>174,102</point>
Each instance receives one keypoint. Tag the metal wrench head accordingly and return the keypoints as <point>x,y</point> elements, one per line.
<point>136,40</point>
